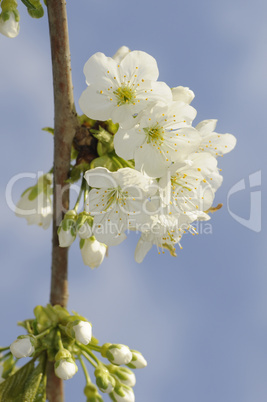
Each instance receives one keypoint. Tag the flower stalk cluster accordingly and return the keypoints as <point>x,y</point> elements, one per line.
<point>66,339</point>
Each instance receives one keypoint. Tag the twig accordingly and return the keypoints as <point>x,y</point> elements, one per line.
<point>66,123</point>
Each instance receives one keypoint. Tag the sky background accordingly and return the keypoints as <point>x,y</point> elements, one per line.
<point>199,319</point>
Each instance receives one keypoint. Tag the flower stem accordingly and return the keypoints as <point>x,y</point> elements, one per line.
<point>88,351</point>
<point>44,332</point>
<point>76,206</point>
<point>87,377</point>
<point>91,361</point>
<point>3,349</point>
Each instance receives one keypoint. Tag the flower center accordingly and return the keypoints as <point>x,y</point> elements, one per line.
<point>155,133</point>
<point>124,95</point>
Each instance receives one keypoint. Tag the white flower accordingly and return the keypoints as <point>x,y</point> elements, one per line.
<point>138,360</point>
<point>214,143</point>
<point>163,135</point>
<point>164,232</point>
<point>93,252</point>
<point>116,202</point>
<point>65,368</point>
<point>67,229</point>
<point>189,187</point>
<point>35,204</point>
<point>22,347</point>
<point>183,94</point>
<point>119,354</point>
<point>83,332</point>
<point>121,53</point>
<point>120,91</point>
<point>10,27</point>
<point>122,394</point>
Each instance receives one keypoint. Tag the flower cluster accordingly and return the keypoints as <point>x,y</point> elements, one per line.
<point>143,166</point>
<point>58,336</point>
<point>174,174</point>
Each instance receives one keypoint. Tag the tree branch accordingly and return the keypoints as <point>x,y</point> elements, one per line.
<point>66,123</point>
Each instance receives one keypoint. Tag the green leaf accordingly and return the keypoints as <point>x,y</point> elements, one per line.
<point>8,366</point>
<point>12,389</point>
<point>34,386</point>
<point>74,153</point>
<point>76,171</point>
<point>49,130</point>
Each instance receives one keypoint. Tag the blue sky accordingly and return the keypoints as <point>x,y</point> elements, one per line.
<point>200,319</point>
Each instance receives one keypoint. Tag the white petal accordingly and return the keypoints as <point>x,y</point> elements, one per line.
<point>147,68</point>
<point>96,105</point>
<point>149,160</point>
<point>155,92</point>
<point>121,53</point>
<point>142,248</point>
<point>99,67</point>
<point>206,127</point>
<point>183,94</point>
<point>126,141</point>
<point>100,178</point>
<point>218,144</point>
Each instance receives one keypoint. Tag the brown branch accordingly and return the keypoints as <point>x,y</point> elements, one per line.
<point>65,126</point>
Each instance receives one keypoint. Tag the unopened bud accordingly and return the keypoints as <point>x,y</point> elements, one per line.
<point>138,360</point>
<point>122,394</point>
<point>65,368</point>
<point>104,380</point>
<point>23,346</point>
<point>117,354</point>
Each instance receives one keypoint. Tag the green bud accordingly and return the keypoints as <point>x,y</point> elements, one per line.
<point>104,380</point>
<point>138,360</point>
<point>104,349</point>
<point>34,8</point>
<point>123,374</point>
<point>63,354</point>
<point>91,392</point>
<point>9,5</point>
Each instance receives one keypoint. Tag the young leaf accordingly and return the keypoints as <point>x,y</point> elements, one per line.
<point>12,389</point>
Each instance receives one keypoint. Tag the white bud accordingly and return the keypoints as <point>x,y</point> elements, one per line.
<point>65,237</point>
<point>83,332</point>
<point>85,231</point>
<point>183,94</point>
<point>65,369</point>
<point>125,376</point>
<point>67,229</point>
<point>22,347</point>
<point>119,354</point>
<point>93,252</point>
<point>121,53</point>
<point>122,394</point>
<point>138,360</point>
<point>10,27</point>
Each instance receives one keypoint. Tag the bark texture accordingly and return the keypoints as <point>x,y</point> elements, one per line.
<point>66,124</point>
